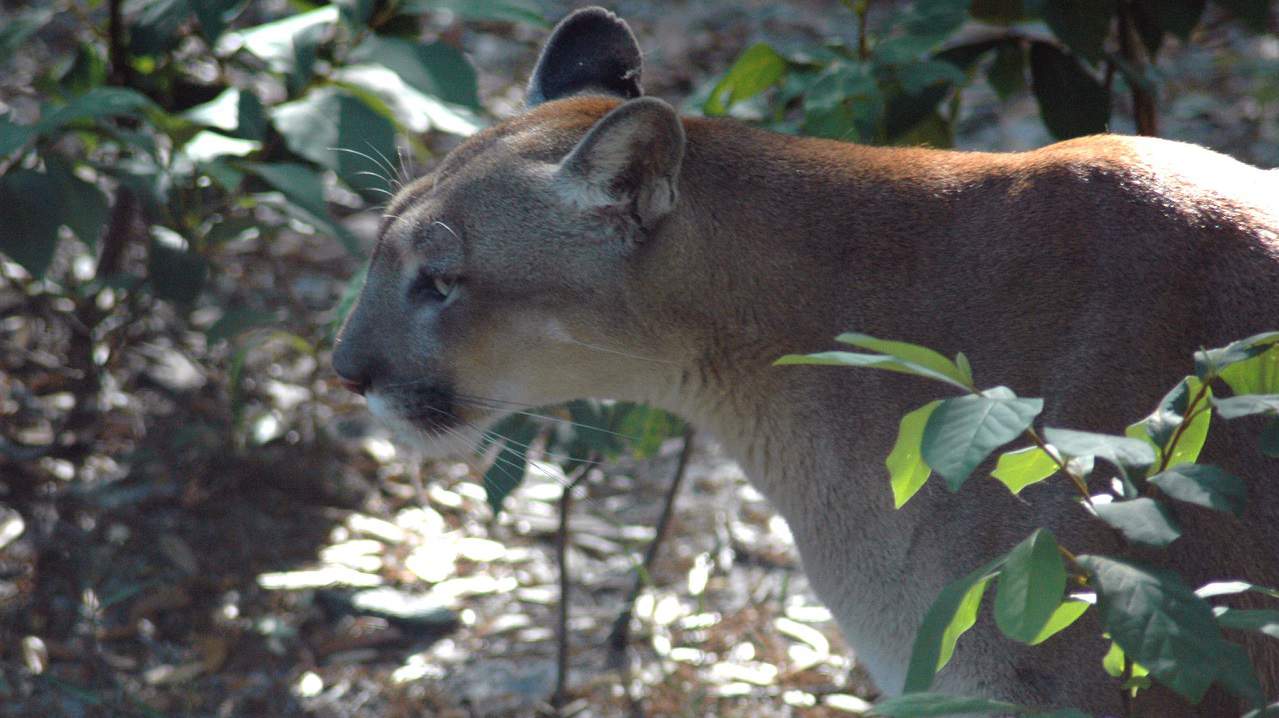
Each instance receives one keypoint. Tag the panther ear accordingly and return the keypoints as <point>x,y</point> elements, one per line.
<point>590,51</point>
<point>630,161</point>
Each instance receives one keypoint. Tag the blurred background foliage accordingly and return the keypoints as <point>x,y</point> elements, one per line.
<point>188,190</point>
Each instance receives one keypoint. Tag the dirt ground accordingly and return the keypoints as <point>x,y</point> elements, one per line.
<point>225,532</point>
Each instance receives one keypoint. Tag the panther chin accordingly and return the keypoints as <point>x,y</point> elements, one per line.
<point>431,434</point>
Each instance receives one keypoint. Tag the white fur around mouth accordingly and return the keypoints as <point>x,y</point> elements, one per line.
<point>459,442</point>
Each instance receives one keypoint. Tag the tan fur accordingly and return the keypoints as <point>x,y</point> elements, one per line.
<point>1085,273</point>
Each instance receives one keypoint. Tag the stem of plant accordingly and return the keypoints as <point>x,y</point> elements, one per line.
<point>561,639</point>
<point>1181,428</point>
<point>1061,465</point>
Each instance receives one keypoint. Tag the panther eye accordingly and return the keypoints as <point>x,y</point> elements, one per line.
<point>429,287</point>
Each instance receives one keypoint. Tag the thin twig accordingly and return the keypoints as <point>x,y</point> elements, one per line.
<point>620,637</point>
<point>559,698</point>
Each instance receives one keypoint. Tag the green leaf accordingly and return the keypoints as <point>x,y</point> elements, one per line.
<point>953,612</point>
<point>1030,587</point>
<point>1203,485</point>
<point>1071,101</point>
<point>1247,405</point>
<point>921,705</point>
<point>1230,588</point>
<point>96,104</point>
<point>207,146</point>
<point>1007,72</point>
<point>1118,450</point>
<point>1237,675</point>
<point>1212,361</point>
<point>758,68</point>
<point>413,111</point>
<point>234,111</point>
<point>82,206</point>
<point>843,103</point>
<point>1270,711</point>
<point>1241,619</point>
<point>1258,375</point>
<point>19,27</point>
<point>13,136</point>
<point>873,361</point>
<point>278,42</point>
<point>30,229</point>
<point>1082,24</point>
<point>1253,13</point>
<point>437,69</point>
<point>346,302</point>
<point>338,131</point>
<point>154,29</point>
<point>174,271</point>
<point>305,190</point>
<point>214,16</point>
<point>1143,520</point>
<point>1270,439</point>
<point>908,353</point>
<point>1158,621</point>
<point>906,466</point>
<point>963,431</point>
<point>1023,467</point>
<point>1061,619</point>
<point>510,466</point>
<point>647,428</point>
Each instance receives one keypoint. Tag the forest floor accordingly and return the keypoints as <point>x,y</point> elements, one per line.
<point>227,533</point>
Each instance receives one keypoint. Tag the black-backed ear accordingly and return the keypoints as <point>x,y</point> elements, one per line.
<point>630,160</point>
<point>590,51</point>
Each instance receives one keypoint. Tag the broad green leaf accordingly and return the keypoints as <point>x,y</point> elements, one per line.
<point>922,705</point>
<point>214,16</point>
<point>1230,588</point>
<point>1113,661</point>
<point>873,361</point>
<point>1007,72</point>
<point>1030,587</point>
<point>234,111</point>
<point>844,103</point>
<point>1023,467</point>
<point>94,105</point>
<point>1083,25</point>
<point>1270,439</point>
<point>1118,450</point>
<point>1163,422</point>
<point>13,136</point>
<point>929,22</point>
<point>414,111</point>
<point>521,11</point>
<point>966,369</point>
<point>1258,375</point>
<point>1061,619</point>
<point>175,272</point>
<point>1203,485</point>
<point>1159,428</point>
<point>338,131</point>
<point>1142,520</point>
<point>757,69</point>
<point>277,42</point>
<point>1247,405</point>
<point>207,145</point>
<point>346,302</point>
<point>1237,675</point>
<point>909,354</point>
<point>305,190</point>
<point>963,431</point>
<point>155,26</point>
<point>1071,101</point>
<point>510,466</point>
<point>953,612</point>
<point>1158,621</point>
<point>1213,361</point>
<point>906,467</point>
<point>82,206</point>
<point>1243,619</point>
<point>648,428</point>
<point>437,69</point>
<point>30,229</point>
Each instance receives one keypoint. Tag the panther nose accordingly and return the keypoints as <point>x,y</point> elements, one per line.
<point>352,373</point>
